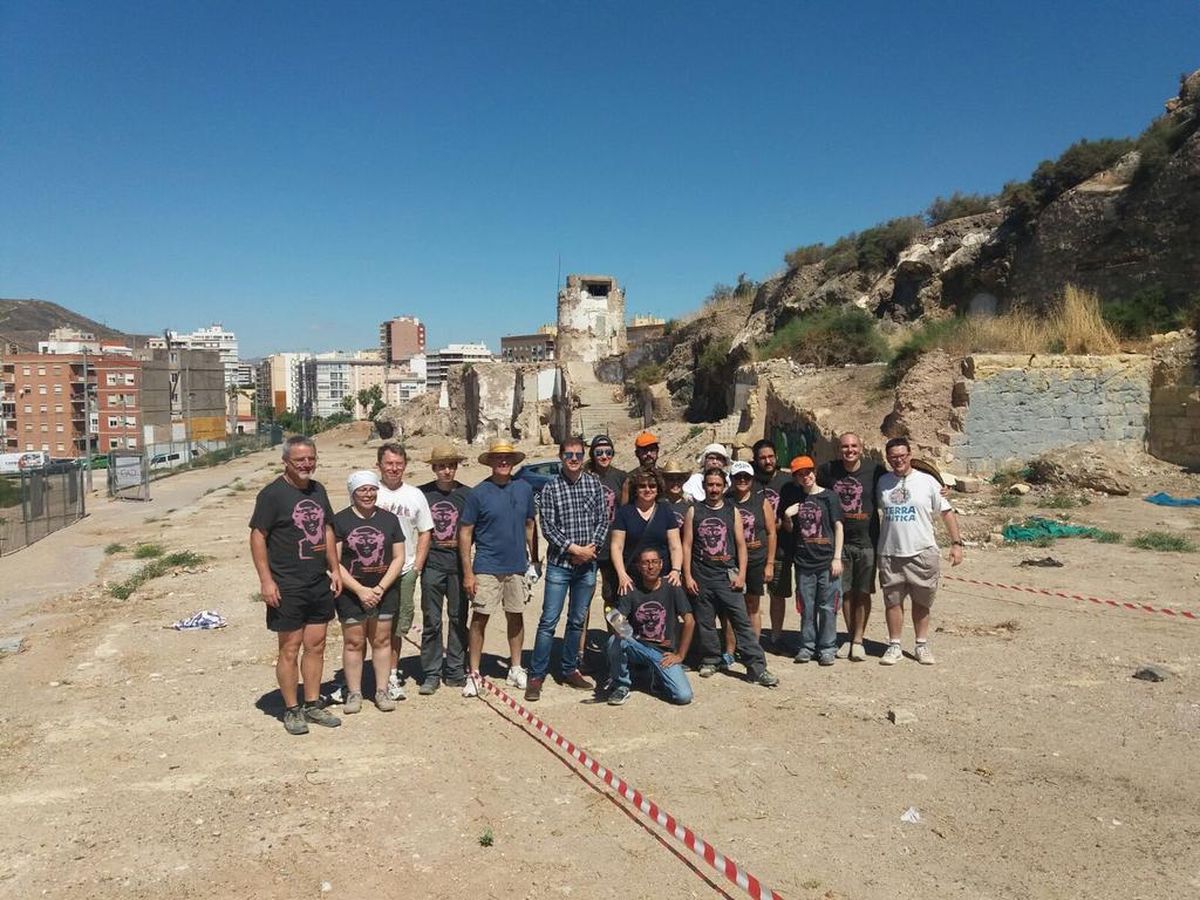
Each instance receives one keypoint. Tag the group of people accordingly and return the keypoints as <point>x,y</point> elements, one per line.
<point>683,559</point>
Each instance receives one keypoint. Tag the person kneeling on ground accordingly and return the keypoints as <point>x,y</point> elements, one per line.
<point>653,609</point>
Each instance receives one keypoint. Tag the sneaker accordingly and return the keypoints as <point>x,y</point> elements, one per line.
<point>727,661</point>
<point>578,682</point>
<point>858,653</point>
<point>892,655</point>
<point>804,656</point>
<point>353,703</point>
<point>429,686</point>
<point>708,670</point>
<point>383,702</point>
<point>456,680</point>
<point>827,659</point>
<point>843,652</point>
<point>924,654</point>
<point>766,679</point>
<point>293,720</point>
<point>619,696</point>
<point>395,687</point>
<point>471,688</point>
<point>338,694</point>
<point>517,677</point>
<point>533,690</point>
<point>319,715</point>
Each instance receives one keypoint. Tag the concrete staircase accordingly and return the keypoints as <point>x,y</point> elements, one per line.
<point>599,413</point>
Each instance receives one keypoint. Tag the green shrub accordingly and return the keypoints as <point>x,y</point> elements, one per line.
<point>1149,311</point>
<point>807,255</point>
<point>147,551</point>
<point>1051,178</point>
<point>1062,501</point>
<point>161,566</point>
<point>879,247</point>
<point>1006,478</point>
<point>1009,500</point>
<point>830,336</point>
<point>648,373</point>
<point>1163,541</point>
<point>10,492</point>
<point>114,548</point>
<point>1107,537</point>
<point>956,206</point>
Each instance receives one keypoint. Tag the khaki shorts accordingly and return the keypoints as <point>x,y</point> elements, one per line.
<point>910,576</point>
<point>496,592</point>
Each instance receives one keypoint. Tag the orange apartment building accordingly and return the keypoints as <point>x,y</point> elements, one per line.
<point>52,402</point>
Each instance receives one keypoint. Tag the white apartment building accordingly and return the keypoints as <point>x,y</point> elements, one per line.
<point>215,337</point>
<point>278,385</point>
<point>440,361</point>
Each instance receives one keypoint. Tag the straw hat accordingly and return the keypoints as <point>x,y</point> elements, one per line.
<point>498,446</point>
<point>445,453</point>
<point>674,467</point>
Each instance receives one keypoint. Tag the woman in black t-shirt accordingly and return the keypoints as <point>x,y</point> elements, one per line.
<point>646,522</point>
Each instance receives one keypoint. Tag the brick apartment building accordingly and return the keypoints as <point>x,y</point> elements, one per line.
<point>48,400</point>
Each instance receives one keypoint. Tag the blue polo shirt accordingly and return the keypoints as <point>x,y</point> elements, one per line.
<point>499,515</point>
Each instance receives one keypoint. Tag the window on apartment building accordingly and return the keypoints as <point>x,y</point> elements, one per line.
<point>113,443</point>
<point>28,409</point>
<point>46,448</point>
<point>114,422</point>
<point>41,370</point>
<point>29,426</point>
<point>129,379</point>
<point>60,428</point>
<point>45,426</point>
<point>57,370</point>
<point>111,378</point>
<point>58,389</point>
<point>58,407</point>
<point>42,389</point>
<point>43,409</point>
<point>131,443</point>
<point>61,448</point>
<point>25,370</point>
<point>29,446</point>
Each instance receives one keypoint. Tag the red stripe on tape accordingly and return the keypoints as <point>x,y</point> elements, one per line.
<point>647,807</point>
<point>1103,601</point>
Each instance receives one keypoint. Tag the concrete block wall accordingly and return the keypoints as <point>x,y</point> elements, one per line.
<point>1011,407</point>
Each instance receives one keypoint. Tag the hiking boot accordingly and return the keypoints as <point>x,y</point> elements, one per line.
<point>619,696</point>
<point>858,653</point>
<point>517,677</point>
<point>293,720</point>
<point>708,670</point>
<point>429,686</point>
<point>924,654</point>
<point>383,702</point>
<point>458,679</point>
<point>804,656</point>
<point>577,681</point>
<point>826,659</point>
<point>395,687</point>
<point>533,690</point>
<point>471,688</point>
<point>892,655</point>
<point>766,679</point>
<point>319,715</point>
<point>353,703</point>
<point>843,652</point>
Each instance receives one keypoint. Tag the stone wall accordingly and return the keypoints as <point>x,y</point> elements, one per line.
<point>1175,400</point>
<point>1008,407</point>
<point>498,399</point>
<point>591,319</point>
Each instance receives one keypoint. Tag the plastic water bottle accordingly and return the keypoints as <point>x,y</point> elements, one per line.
<point>620,625</point>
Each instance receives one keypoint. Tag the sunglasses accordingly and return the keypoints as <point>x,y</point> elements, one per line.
<point>604,454</point>
<point>572,454</point>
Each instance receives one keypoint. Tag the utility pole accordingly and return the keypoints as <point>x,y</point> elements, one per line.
<point>87,421</point>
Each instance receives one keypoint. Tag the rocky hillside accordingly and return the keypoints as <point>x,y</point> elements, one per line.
<point>25,322</point>
<point>1116,217</point>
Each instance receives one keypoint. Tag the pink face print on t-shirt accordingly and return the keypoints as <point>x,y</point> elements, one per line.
<point>367,545</point>
<point>849,491</point>
<point>309,517</point>
<point>748,523</point>
<point>714,538</point>
<point>445,520</point>
<point>772,498</point>
<point>651,619</point>
<point>809,518</point>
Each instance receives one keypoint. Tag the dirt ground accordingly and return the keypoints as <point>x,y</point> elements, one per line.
<point>136,761</point>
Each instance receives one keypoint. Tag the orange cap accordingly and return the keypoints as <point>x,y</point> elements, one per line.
<point>802,462</point>
<point>646,439</point>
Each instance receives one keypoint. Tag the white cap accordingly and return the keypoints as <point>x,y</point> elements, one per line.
<point>741,468</point>
<point>713,448</point>
<point>361,478</point>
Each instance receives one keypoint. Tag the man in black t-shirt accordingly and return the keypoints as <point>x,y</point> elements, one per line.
<point>295,554</point>
<point>441,579</point>
<point>660,640</point>
<point>854,482</point>
<point>772,481</point>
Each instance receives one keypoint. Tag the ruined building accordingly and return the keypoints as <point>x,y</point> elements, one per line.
<point>591,319</point>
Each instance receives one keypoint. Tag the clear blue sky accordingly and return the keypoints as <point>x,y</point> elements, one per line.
<point>301,171</point>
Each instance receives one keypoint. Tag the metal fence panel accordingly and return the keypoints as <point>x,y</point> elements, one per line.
<point>50,499</point>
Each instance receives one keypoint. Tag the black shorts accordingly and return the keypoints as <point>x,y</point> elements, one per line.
<point>350,610</point>
<point>312,605</point>
<point>754,577</point>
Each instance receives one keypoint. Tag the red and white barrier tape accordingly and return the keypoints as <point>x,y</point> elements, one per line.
<point>1083,598</point>
<point>706,851</point>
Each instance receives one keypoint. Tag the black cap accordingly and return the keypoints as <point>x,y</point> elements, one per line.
<point>601,440</point>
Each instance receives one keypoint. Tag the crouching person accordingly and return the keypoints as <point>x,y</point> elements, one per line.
<point>659,639</point>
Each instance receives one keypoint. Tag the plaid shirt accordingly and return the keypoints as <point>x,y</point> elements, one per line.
<point>572,513</point>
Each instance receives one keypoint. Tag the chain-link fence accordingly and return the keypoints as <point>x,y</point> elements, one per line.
<point>37,502</point>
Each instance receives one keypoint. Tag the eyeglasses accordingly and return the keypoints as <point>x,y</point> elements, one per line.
<point>898,457</point>
<point>653,447</point>
<point>650,562</point>
<point>647,487</point>
<point>573,454</point>
<point>742,476</point>
<point>603,454</point>
<point>805,472</point>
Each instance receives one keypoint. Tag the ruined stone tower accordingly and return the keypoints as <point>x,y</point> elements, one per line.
<point>591,319</point>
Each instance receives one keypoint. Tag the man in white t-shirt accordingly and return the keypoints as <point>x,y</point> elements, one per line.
<point>908,559</point>
<point>411,507</point>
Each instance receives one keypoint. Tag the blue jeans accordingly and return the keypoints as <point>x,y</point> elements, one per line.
<point>817,596</point>
<point>622,652</point>
<point>580,581</point>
